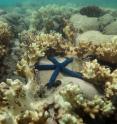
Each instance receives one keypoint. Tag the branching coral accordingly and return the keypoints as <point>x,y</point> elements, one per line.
<point>51,17</point>
<point>5,36</point>
<point>21,104</point>
<point>108,51</point>
<point>101,76</point>
<point>17,104</point>
<point>36,46</point>
<point>95,107</point>
<point>95,73</point>
<point>5,33</point>
<point>111,86</point>
<point>105,51</point>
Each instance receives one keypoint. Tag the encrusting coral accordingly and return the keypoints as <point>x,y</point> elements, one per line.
<point>92,11</point>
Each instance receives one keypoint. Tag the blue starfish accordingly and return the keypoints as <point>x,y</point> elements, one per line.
<point>58,67</point>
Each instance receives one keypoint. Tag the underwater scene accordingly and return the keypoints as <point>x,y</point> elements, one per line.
<point>58,61</point>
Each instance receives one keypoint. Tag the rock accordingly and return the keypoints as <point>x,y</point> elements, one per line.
<point>111,29</point>
<point>45,75</point>
<point>88,89</point>
<point>84,23</point>
<point>114,13</point>
<point>105,20</point>
<point>93,36</point>
<point>2,12</point>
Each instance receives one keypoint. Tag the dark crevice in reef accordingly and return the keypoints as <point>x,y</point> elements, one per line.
<point>87,119</point>
<point>92,11</point>
<point>98,119</point>
<point>112,66</point>
<point>2,70</point>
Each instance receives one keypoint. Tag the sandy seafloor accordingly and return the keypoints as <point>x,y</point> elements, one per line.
<point>29,33</point>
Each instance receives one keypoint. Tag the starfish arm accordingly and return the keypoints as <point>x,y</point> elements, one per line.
<point>67,61</point>
<point>72,73</point>
<point>45,67</point>
<point>53,60</point>
<point>53,77</point>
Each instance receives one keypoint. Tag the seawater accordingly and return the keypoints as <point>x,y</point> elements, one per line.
<point>102,3</point>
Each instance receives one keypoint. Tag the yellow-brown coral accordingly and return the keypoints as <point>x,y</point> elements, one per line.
<point>23,101</point>
<point>5,33</point>
<point>3,50</point>
<point>76,98</point>
<point>96,73</point>
<point>108,51</point>
<point>5,37</point>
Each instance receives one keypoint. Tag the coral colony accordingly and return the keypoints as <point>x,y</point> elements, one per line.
<point>59,67</point>
<point>88,92</point>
